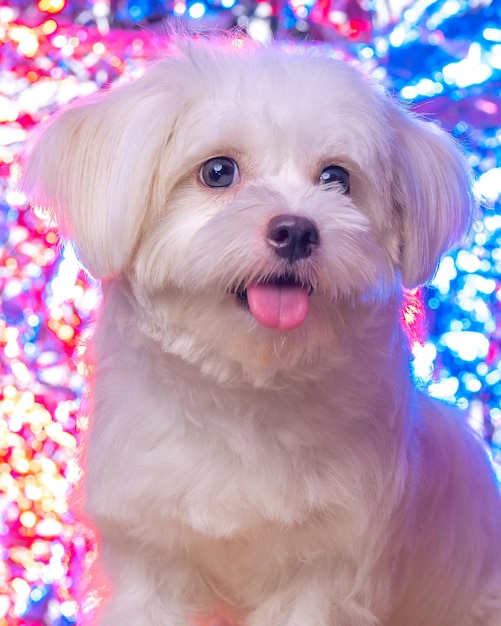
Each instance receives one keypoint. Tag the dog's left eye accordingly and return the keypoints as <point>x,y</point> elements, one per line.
<point>336,174</point>
<point>219,172</point>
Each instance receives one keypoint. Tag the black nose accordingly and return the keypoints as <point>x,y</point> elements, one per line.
<point>293,237</point>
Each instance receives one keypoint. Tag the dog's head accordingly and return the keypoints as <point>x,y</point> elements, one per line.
<point>244,192</point>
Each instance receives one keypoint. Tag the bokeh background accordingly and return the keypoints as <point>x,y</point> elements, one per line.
<point>442,57</point>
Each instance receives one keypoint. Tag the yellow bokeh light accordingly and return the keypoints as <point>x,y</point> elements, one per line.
<point>28,519</point>
<point>99,48</point>
<point>26,39</point>
<point>51,6</point>
<point>21,465</point>
<point>49,27</point>
<point>65,332</point>
<point>9,391</point>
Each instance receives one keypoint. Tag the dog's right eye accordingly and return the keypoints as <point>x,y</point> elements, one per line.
<point>219,172</point>
<point>334,174</point>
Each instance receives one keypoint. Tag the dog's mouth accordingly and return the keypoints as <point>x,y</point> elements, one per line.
<point>279,302</point>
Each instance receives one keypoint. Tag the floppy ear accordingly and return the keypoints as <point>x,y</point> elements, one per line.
<point>432,193</point>
<point>93,168</point>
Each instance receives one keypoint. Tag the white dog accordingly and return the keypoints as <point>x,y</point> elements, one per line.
<point>258,451</point>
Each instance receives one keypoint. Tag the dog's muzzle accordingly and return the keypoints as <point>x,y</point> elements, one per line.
<point>282,301</point>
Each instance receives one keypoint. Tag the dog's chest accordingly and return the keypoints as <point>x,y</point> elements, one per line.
<point>220,463</point>
<point>241,569</point>
<point>222,481</point>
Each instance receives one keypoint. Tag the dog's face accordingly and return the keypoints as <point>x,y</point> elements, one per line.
<point>252,198</point>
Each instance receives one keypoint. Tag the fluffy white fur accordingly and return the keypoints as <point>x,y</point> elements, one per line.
<point>278,478</point>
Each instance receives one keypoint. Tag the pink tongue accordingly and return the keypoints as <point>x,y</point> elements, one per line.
<point>278,306</point>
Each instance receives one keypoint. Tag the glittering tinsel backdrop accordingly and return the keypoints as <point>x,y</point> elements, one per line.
<point>442,57</point>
